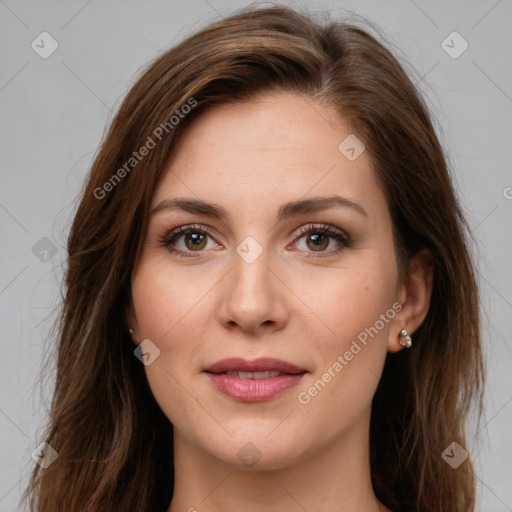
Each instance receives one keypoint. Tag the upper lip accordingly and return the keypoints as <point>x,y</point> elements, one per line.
<point>258,365</point>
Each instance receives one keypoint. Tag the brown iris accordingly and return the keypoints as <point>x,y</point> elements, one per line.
<point>198,241</point>
<point>318,244</point>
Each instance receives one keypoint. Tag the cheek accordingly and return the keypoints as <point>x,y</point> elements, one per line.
<point>348,371</point>
<point>171,309</point>
<point>357,308</point>
<point>158,313</point>
<point>166,299</point>
<point>350,301</point>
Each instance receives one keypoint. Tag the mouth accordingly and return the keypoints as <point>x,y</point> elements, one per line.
<point>253,375</point>
<point>261,368</point>
<point>254,381</point>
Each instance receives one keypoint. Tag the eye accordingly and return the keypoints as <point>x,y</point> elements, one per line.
<point>194,238</point>
<point>318,238</point>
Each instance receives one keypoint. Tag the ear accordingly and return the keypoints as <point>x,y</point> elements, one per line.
<point>414,296</point>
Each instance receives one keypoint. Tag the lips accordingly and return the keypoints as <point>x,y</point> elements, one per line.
<point>254,381</point>
<point>258,366</point>
<point>254,375</point>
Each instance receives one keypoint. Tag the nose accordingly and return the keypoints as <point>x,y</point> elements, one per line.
<point>252,298</point>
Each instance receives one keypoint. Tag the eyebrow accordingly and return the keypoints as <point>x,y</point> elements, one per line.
<point>287,210</point>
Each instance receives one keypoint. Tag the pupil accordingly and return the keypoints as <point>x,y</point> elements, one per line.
<point>318,240</point>
<point>196,240</point>
<point>195,237</point>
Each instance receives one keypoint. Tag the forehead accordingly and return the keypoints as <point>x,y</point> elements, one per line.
<point>278,146</point>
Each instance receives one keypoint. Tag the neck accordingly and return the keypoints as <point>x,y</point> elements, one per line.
<point>334,478</point>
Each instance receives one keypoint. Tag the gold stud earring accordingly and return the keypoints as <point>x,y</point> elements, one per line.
<point>405,339</point>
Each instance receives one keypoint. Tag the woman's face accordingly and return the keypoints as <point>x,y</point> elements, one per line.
<point>285,271</point>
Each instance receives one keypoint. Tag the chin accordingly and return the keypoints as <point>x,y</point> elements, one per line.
<point>258,451</point>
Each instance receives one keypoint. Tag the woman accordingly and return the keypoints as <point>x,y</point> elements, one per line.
<point>270,301</point>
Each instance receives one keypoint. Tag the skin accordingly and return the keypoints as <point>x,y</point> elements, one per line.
<point>250,158</point>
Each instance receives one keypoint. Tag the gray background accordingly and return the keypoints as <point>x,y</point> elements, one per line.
<point>53,112</point>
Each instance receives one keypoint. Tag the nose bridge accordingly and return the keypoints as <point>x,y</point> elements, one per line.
<point>251,282</point>
<point>250,298</point>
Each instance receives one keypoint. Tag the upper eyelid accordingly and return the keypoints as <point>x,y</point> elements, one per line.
<point>181,230</point>
<point>330,229</point>
<point>320,226</point>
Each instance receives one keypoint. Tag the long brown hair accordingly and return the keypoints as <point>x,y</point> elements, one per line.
<point>114,443</point>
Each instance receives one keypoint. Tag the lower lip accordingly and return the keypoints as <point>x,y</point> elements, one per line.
<point>254,390</point>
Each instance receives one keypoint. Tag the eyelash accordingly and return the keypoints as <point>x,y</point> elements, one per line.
<point>325,229</point>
